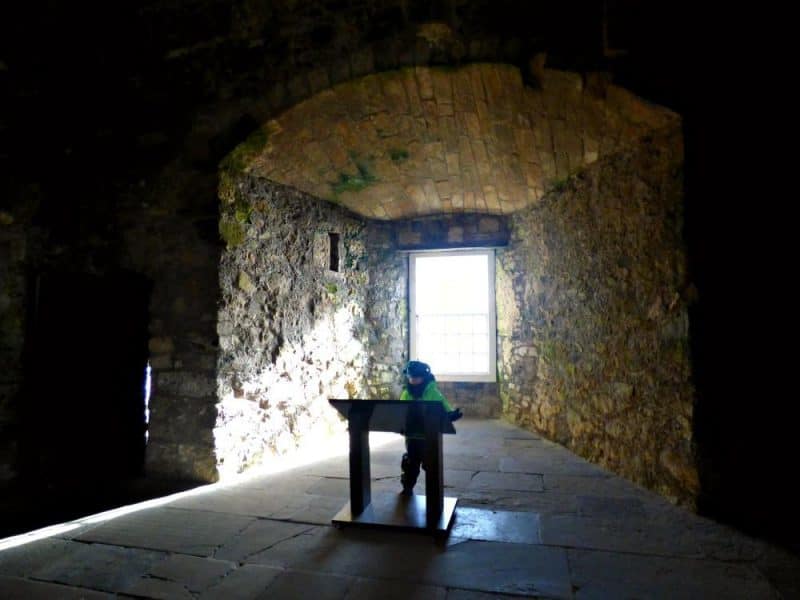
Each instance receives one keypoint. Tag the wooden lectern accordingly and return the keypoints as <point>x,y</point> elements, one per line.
<point>432,512</point>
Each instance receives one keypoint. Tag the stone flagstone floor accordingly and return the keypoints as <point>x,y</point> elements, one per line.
<point>533,520</point>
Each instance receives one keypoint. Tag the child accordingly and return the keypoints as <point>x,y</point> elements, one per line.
<point>421,386</point>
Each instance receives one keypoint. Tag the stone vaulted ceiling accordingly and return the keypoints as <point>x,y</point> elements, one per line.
<point>429,140</point>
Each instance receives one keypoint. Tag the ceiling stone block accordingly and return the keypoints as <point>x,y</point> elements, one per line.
<point>428,140</point>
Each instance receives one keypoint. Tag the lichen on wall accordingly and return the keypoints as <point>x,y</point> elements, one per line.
<point>291,322</point>
<point>594,340</point>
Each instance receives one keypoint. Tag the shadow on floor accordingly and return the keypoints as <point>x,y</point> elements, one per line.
<point>25,507</point>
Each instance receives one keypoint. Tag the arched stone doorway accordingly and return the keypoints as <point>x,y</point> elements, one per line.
<point>580,180</point>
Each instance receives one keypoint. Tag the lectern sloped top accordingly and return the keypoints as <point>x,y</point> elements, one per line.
<point>397,416</point>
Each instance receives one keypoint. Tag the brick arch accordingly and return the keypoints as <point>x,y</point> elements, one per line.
<point>428,140</point>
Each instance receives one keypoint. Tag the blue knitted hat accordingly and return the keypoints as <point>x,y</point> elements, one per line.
<point>416,368</point>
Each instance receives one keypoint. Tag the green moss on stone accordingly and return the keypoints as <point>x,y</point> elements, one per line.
<point>231,231</point>
<point>227,187</point>
<point>331,288</point>
<point>559,185</point>
<point>242,211</point>
<point>355,183</point>
<point>403,307</point>
<point>547,351</point>
<point>398,154</point>
<point>241,156</point>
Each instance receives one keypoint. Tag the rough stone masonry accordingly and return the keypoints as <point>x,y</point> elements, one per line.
<point>591,275</point>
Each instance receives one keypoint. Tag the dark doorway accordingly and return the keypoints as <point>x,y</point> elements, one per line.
<point>84,423</point>
<point>87,363</point>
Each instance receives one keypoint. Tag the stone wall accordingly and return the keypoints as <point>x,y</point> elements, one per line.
<point>291,322</point>
<point>475,399</point>
<point>63,291</point>
<point>127,159</point>
<point>169,232</point>
<point>387,299</point>
<point>182,264</point>
<point>125,164</point>
<point>386,312</point>
<point>593,318</point>
<point>12,320</point>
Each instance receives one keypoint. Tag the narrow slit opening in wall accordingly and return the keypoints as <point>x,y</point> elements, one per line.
<point>334,251</point>
<point>147,389</point>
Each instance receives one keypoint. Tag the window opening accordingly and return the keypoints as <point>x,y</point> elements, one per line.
<point>334,251</point>
<point>453,322</point>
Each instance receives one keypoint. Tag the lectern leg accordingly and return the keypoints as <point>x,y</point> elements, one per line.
<point>360,492</point>
<point>434,478</point>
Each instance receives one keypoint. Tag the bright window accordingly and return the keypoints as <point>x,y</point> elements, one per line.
<point>453,314</point>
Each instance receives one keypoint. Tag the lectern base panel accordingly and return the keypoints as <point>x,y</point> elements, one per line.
<point>397,512</point>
